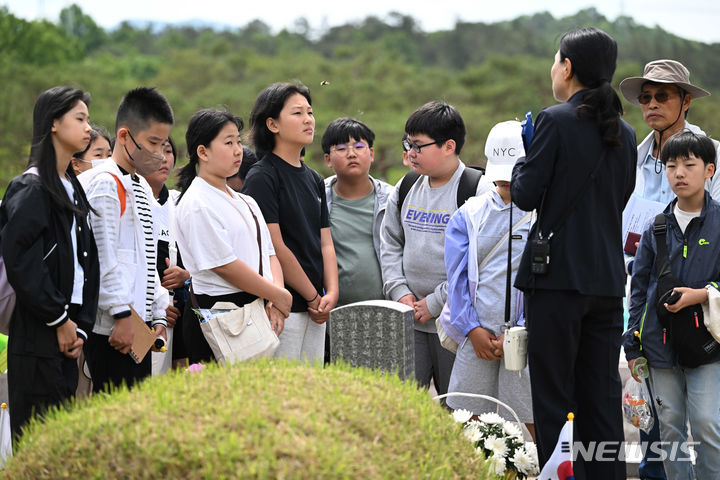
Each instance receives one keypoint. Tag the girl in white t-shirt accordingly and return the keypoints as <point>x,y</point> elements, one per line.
<point>217,234</point>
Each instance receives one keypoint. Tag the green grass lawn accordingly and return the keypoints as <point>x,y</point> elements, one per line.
<point>268,419</point>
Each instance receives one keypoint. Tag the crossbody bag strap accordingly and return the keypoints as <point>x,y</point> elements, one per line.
<point>560,223</point>
<point>259,238</point>
<point>504,237</point>
<point>193,299</point>
<point>508,288</point>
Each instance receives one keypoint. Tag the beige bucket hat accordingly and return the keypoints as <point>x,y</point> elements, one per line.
<point>661,71</point>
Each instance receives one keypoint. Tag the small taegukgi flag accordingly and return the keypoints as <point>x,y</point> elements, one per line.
<point>560,466</point>
<point>5,438</point>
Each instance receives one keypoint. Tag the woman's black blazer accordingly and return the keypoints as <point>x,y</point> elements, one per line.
<point>586,253</point>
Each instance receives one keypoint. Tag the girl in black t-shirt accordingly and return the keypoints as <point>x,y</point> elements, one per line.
<point>292,199</point>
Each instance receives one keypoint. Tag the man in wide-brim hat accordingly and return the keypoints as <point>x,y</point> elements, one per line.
<point>663,93</point>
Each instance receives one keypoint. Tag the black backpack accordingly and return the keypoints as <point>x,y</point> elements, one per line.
<point>467,186</point>
<point>685,329</point>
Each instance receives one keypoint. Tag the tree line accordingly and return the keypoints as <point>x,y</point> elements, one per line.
<point>377,70</point>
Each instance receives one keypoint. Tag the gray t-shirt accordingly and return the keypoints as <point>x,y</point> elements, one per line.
<point>413,243</point>
<point>351,226</point>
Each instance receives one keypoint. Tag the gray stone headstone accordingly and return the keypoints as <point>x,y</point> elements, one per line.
<point>375,334</point>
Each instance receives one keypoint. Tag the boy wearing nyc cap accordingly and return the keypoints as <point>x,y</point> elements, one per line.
<point>476,259</point>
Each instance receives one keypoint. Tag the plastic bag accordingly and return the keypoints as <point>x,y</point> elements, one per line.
<point>636,405</point>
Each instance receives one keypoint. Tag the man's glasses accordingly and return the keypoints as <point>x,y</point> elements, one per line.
<point>660,97</point>
<point>154,156</point>
<point>344,149</point>
<point>408,145</point>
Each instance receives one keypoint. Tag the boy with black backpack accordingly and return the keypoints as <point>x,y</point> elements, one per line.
<point>413,230</point>
<point>677,259</point>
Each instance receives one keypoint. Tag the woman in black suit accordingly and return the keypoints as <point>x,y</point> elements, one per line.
<point>50,258</point>
<point>579,173</point>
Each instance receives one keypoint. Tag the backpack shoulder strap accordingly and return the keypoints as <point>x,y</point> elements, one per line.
<point>405,185</point>
<point>662,259</point>
<point>121,193</point>
<point>467,186</point>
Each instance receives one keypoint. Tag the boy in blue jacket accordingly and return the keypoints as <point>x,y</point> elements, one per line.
<point>682,393</point>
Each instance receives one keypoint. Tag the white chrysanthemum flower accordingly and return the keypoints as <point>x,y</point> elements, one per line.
<point>497,464</point>
<point>531,450</point>
<point>491,417</point>
<point>523,462</point>
<point>496,445</point>
<point>471,430</point>
<point>511,430</point>
<point>461,415</point>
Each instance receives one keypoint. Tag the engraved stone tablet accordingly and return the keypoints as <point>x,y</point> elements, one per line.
<point>375,334</point>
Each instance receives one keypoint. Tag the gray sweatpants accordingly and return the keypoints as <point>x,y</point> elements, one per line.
<point>489,377</point>
<point>432,361</point>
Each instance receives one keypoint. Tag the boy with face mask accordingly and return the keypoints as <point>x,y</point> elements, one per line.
<point>122,223</point>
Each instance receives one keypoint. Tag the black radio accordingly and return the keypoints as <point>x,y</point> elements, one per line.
<point>540,256</point>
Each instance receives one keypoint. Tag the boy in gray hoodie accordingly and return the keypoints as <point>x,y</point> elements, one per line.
<point>413,231</point>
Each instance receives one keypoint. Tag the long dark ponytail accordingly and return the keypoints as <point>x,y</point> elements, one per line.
<point>203,127</point>
<point>593,56</point>
<point>51,105</point>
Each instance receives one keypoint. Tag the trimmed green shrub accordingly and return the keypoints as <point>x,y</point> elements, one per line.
<point>267,419</point>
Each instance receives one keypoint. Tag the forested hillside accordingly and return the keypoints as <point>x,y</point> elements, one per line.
<point>378,70</point>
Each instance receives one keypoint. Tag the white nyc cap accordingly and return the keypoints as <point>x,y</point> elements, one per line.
<point>504,146</point>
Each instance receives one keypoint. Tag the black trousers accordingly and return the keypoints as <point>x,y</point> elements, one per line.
<point>37,383</point>
<point>573,351</point>
<point>110,367</point>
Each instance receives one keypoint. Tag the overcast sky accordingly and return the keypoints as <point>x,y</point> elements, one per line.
<point>697,20</point>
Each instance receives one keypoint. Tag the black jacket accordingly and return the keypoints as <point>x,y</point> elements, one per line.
<point>586,253</point>
<point>38,254</point>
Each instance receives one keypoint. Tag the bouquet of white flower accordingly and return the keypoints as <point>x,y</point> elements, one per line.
<point>501,442</point>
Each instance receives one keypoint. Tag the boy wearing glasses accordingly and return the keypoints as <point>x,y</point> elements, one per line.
<point>413,231</point>
<point>122,223</point>
<point>356,203</point>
